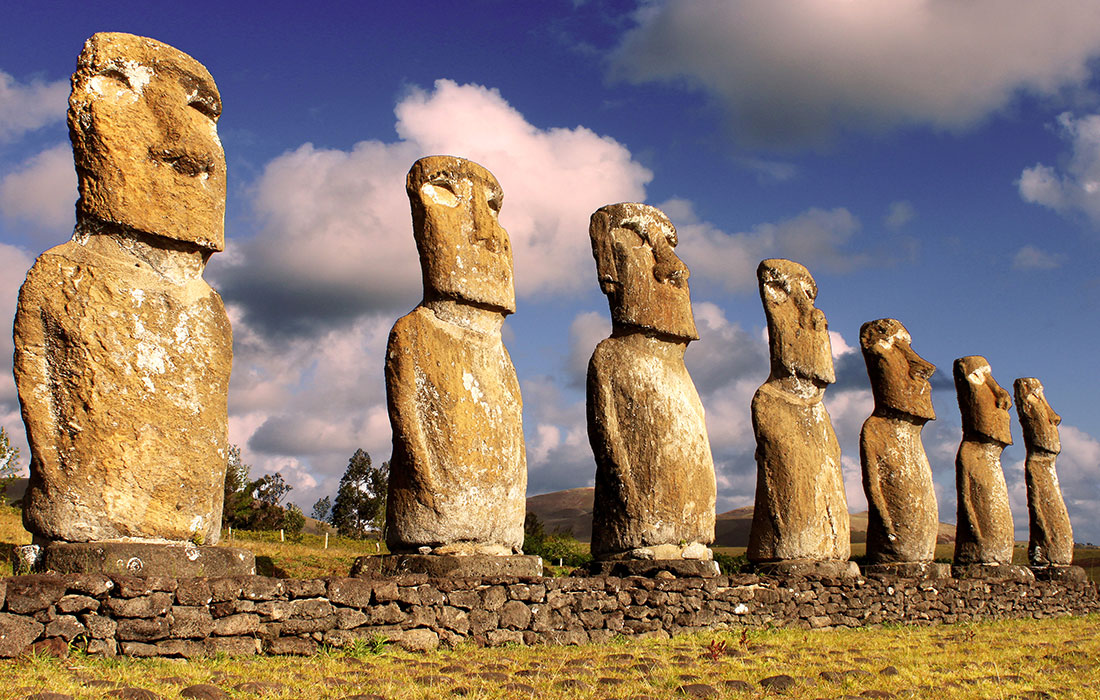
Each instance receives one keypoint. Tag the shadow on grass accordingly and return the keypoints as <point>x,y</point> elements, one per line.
<point>265,566</point>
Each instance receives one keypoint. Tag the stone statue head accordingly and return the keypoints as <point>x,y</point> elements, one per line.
<point>982,402</point>
<point>645,282</point>
<point>899,376</point>
<point>143,122</point>
<point>1037,418</point>
<point>798,334</point>
<point>465,253</point>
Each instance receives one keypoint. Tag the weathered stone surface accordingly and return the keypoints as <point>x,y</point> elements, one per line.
<point>655,485</point>
<point>983,534</point>
<point>903,516</point>
<point>122,350</point>
<point>16,634</point>
<point>1050,542</point>
<point>801,511</point>
<point>459,470</point>
<point>183,560</point>
<point>651,567</point>
<point>468,565</point>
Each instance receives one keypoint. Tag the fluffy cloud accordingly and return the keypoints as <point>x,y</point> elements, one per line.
<point>730,259</point>
<point>336,241</point>
<point>1031,258</point>
<point>29,106</point>
<point>793,72</point>
<point>14,264</point>
<point>1077,190</point>
<point>42,193</point>
<point>899,214</point>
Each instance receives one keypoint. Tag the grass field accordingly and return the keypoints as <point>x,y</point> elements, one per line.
<point>1015,659</point>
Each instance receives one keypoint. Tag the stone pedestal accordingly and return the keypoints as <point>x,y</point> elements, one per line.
<point>447,565</point>
<point>135,559</point>
<point>909,569</point>
<point>1065,574</point>
<point>681,568</point>
<point>993,572</point>
<point>809,568</point>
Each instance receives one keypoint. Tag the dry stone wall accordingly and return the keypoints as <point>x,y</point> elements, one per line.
<point>252,614</point>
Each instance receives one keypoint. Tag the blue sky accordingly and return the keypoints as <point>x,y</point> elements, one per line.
<point>930,161</point>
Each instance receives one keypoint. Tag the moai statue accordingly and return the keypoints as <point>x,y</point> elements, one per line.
<point>800,521</point>
<point>1050,545</point>
<point>122,350</point>
<point>655,487</point>
<point>903,518</point>
<point>458,474</point>
<point>983,534</point>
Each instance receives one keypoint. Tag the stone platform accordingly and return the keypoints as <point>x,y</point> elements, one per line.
<point>1065,574</point>
<point>808,568</point>
<point>135,559</point>
<point>992,572</point>
<point>680,568</point>
<point>920,570</point>
<point>447,565</point>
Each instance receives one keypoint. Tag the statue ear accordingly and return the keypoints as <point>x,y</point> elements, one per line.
<point>599,229</point>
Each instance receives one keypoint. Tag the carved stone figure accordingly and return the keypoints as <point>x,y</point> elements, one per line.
<point>800,521</point>
<point>903,518</point>
<point>983,535</point>
<point>458,474</point>
<point>1051,534</point>
<point>655,486</point>
<point>122,350</point>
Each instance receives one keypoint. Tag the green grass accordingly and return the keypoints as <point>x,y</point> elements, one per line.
<point>988,660</point>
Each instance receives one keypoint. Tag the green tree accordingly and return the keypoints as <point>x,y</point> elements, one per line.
<point>293,519</point>
<point>9,464</point>
<point>238,495</point>
<point>322,509</point>
<point>361,498</point>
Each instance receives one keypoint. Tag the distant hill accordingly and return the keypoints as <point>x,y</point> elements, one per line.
<point>571,511</point>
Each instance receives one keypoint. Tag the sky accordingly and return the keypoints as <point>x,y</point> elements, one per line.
<point>931,161</point>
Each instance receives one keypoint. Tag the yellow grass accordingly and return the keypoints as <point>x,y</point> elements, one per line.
<point>988,660</point>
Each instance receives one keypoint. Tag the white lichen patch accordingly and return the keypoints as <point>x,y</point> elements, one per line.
<point>979,375</point>
<point>470,383</point>
<point>138,295</point>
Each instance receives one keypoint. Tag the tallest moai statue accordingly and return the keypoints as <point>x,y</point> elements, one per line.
<point>122,350</point>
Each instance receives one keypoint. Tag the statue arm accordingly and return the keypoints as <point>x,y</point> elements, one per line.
<point>870,454</point>
<point>406,419</point>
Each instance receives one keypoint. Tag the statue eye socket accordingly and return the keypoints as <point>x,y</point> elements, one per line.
<point>776,292</point>
<point>494,200</point>
<point>441,192</point>
<point>207,105</point>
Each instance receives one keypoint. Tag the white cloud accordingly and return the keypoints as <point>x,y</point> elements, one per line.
<point>14,264</point>
<point>29,106</point>
<point>899,214</point>
<point>1031,258</point>
<point>42,192</point>
<point>586,331</point>
<point>336,239</point>
<point>817,237</point>
<point>1077,190</point>
<point>793,72</point>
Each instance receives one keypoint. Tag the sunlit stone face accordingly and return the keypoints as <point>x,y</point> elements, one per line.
<point>798,334</point>
<point>982,402</point>
<point>899,376</point>
<point>143,121</point>
<point>465,253</point>
<point>645,282</point>
<point>1038,420</point>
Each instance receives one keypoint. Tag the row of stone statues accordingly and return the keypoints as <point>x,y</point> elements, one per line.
<point>122,358</point>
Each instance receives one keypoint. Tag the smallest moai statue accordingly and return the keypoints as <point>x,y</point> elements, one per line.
<point>903,518</point>
<point>983,534</point>
<point>1050,544</point>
